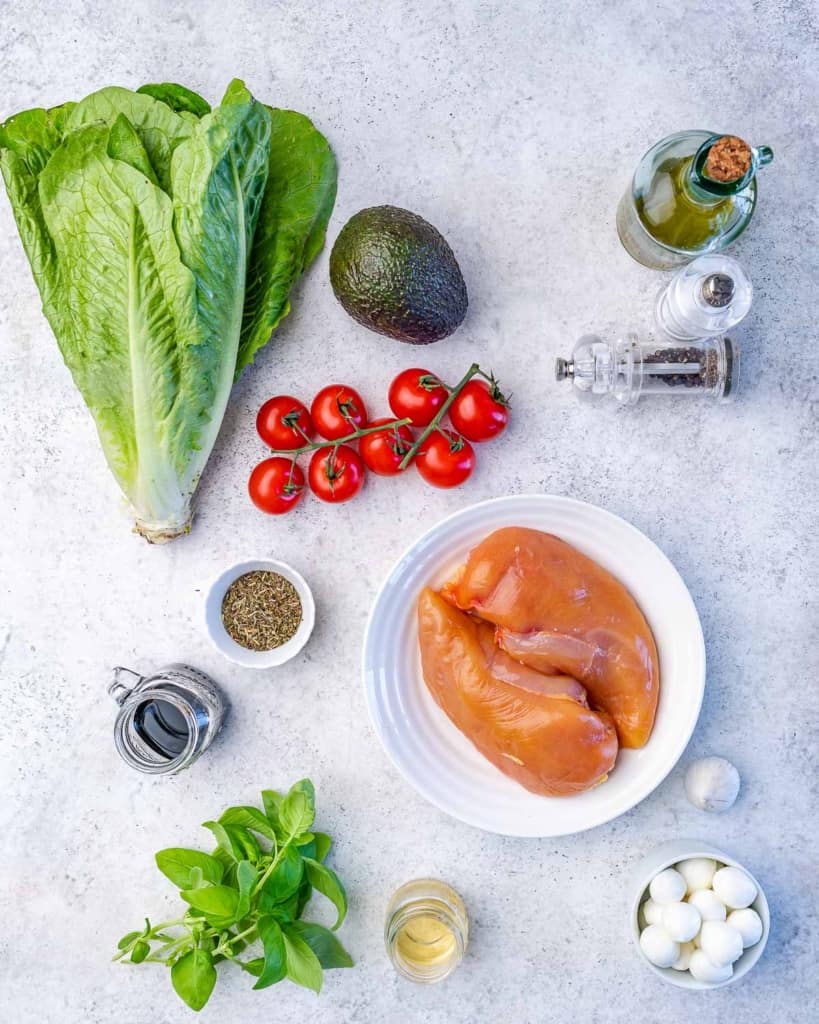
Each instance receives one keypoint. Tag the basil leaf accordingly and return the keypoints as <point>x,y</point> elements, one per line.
<point>324,944</point>
<point>303,965</point>
<point>217,902</point>
<point>284,881</point>
<point>126,940</point>
<point>226,843</point>
<point>254,967</point>
<point>140,951</point>
<point>302,898</point>
<point>246,875</point>
<point>249,817</point>
<point>306,845</point>
<point>176,864</point>
<point>274,968</point>
<point>197,879</point>
<point>225,859</point>
<point>298,811</point>
<point>272,805</point>
<point>285,910</point>
<point>323,844</point>
<point>244,841</point>
<point>329,884</point>
<point>193,977</point>
<point>304,786</point>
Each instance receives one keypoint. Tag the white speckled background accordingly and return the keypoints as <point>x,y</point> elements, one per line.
<point>513,127</point>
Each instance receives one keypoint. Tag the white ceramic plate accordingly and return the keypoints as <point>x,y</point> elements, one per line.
<point>438,760</point>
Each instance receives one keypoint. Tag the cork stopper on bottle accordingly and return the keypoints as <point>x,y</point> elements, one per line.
<point>728,159</point>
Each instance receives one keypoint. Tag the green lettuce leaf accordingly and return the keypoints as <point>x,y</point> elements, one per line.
<point>293,220</point>
<point>160,128</point>
<point>164,238</point>
<point>27,142</point>
<point>219,179</point>
<point>157,296</point>
<point>132,314</point>
<point>177,97</point>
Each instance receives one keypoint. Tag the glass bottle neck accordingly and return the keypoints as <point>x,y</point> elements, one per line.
<point>707,191</point>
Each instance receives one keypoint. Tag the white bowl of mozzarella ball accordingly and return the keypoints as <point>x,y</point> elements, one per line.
<point>699,918</point>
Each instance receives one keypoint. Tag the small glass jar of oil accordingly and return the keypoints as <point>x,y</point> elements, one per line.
<point>426,930</point>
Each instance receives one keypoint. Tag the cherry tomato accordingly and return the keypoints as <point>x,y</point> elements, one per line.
<point>417,395</point>
<point>337,410</point>
<point>284,423</point>
<point>336,474</point>
<point>276,485</point>
<point>383,451</point>
<point>480,412</point>
<point>446,459</point>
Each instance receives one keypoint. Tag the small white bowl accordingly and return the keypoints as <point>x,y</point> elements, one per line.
<point>666,856</point>
<point>227,645</point>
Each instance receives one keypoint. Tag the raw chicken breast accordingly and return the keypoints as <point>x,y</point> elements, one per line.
<point>558,611</point>
<point>536,729</point>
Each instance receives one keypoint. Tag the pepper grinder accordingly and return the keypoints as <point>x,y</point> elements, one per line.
<point>627,368</point>
<point>703,299</point>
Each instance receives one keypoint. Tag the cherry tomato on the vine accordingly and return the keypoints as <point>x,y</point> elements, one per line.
<point>480,412</point>
<point>337,411</point>
<point>336,473</point>
<point>384,450</point>
<point>417,395</point>
<point>445,459</point>
<point>276,485</point>
<point>284,423</point>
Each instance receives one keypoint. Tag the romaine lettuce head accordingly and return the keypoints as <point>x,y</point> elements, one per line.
<point>138,212</point>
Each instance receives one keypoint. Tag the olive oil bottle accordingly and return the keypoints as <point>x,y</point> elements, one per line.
<point>693,192</point>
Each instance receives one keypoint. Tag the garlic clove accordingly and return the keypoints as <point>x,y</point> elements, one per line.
<point>712,784</point>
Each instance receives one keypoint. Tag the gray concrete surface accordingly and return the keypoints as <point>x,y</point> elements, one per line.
<point>514,128</point>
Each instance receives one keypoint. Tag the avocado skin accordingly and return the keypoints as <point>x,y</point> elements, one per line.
<point>393,272</point>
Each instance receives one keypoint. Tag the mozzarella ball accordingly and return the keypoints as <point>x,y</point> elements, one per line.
<point>703,970</point>
<point>721,943</point>
<point>658,946</point>
<point>749,925</point>
<point>652,911</point>
<point>734,888</point>
<point>681,920</point>
<point>687,950</point>
<point>709,905</point>
<point>697,872</point>
<point>668,887</point>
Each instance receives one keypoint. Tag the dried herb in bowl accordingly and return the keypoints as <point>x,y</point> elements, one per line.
<point>261,610</point>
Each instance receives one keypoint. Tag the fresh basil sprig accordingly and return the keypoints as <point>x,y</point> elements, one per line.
<point>250,892</point>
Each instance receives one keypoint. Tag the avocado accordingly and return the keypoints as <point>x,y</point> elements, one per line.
<point>395,273</point>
